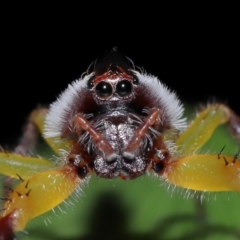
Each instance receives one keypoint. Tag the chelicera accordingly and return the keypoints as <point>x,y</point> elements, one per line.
<point>116,121</point>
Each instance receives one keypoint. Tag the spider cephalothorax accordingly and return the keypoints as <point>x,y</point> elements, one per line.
<point>116,116</point>
<point>116,121</point>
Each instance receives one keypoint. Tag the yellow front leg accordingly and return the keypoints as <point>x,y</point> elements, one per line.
<point>205,173</point>
<point>210,172</point>
<point>37,195</point>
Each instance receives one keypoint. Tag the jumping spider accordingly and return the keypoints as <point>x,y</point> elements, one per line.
<point>116,121</point>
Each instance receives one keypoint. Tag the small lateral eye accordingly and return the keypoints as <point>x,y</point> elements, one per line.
<point>123,88</point>
<point>135,80</point>
<point>90,84</point>
<point>104,89</point>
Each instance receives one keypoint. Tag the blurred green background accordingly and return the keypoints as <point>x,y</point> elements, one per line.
<point>144,208</point>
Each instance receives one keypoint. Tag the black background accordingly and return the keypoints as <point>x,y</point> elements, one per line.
<point>194,53</point>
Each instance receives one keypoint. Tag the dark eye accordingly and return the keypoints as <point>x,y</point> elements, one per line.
<point>123,88</point>
<point>104,89</point>
<point>135,81</point>
<point>90,83</point>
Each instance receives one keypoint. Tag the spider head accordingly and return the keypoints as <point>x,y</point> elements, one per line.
<point>112,79</point>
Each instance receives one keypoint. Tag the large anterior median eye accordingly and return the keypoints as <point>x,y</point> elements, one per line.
<point>123,88</point>
<point>104,89</point>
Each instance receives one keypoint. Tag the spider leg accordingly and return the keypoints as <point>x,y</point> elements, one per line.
<point>40,178</point>
<point>202,172</point>
<point>103,145</point>
<point>37,195</point>
<point>152,118</point>
<point>34,127</point>
<point>203,126</point>
<point>14,165</point>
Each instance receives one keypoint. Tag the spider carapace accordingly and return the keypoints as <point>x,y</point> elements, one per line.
<point>115,121</point>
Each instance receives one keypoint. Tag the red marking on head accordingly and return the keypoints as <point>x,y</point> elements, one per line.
<point>110,75</point>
